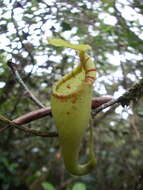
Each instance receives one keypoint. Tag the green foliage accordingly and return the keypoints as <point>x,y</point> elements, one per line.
<point>79,186</point>
<point>26,161</point>
<point>48,186</point>
<point>8,174</point>
<point>65,26</point>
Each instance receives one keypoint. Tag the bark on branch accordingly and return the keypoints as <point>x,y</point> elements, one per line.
<point>98,104</point>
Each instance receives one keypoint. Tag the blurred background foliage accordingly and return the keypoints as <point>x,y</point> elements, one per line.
<point>114,29</point>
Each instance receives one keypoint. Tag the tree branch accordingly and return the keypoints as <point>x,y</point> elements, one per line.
<point>9,123</point>
<point>12,66</point>
<point>17,123</point>
<point>133,94</point>
<point>20,38</point>
<point>34,115</point>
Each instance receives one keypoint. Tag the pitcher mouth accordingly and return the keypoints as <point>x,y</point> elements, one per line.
<point>71,84</point>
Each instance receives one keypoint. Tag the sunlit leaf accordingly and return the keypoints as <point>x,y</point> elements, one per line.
<point>48,186</point>
<point>79,186</point>
<point>59,42</point>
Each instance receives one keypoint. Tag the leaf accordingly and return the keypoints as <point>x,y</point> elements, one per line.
<point>79,186</point>
<point>110,2</point>
<point>135,152</point>
<point>140,114</point>
<point>48,186</point>
<point>65,26</point>
<point>4,120</point>
<point>62,43</point>
<point>3,28</point>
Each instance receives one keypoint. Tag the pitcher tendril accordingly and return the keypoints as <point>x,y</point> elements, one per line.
<point>71,108</point>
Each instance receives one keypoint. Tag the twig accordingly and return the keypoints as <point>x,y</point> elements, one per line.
<point>9,123</point>
<point>4,128</point>
<point>18,77</point>
<point>106,105</point>
<point>20,38</point>
<point>34,115</point>
<point>133,94</point>
<point>36,132</point>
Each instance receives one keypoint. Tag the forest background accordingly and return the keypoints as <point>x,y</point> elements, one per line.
<point>114,30</point>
